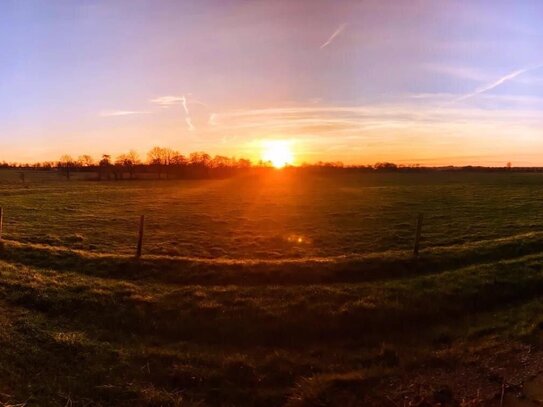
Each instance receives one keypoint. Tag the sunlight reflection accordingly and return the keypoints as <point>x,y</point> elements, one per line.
<point>298,239</point>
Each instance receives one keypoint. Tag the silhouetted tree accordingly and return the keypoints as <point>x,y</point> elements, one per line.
<point>385,166</point>
<point>85,161</point>
<point>243,163</point>
<point>156,158</point>
<point>66,162</point>
<point>128,162</point>
<point>200,158</point>
<point>104,166</point>
<point>178,160</point>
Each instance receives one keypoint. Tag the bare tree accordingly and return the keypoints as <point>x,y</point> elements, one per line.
<point>220,161</point>
<point>155,159</point>
<point>85,160</point>
<point>160,157</point>
<point>200,158</point>
<point>128,162</point>
<point>67,162</point>
<point>243,163</point>
<point>105,166</point>
<point>178,159</point>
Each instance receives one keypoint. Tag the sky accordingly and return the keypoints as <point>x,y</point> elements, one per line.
<point>429,82</point>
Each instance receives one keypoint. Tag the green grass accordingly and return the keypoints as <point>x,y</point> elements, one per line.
<point>279,215</point>
<point>227,307</point>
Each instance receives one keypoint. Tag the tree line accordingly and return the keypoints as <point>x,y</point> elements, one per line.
<point>167,163</point>
<point>163,162</point>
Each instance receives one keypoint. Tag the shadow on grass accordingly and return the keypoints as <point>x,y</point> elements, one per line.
<point>278,315</point>
<point>222,271</point>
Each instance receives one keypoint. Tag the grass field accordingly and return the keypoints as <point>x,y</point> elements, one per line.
<point>277,215</point>
<point>284,288</point>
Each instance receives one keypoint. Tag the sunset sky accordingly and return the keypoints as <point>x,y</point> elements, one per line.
<point>419,81</point>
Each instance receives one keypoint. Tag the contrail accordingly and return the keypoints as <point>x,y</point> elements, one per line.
<point>498,82</point>
<point>184,103</point>
<point>167,101</point>
<point>334,35</point>
<point>122,113</point>
<point>188,120</point>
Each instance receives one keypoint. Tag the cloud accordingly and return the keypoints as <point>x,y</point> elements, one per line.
<point>338,31</point>
<point>113,113</point>
<point>167,101</point>
<point>497,82</point>
<point>360,122</point>
<point>188,120</point>
<point>403,132</point>
<point>184,103</point>
<point>212,119</point>
<point>462,72</point>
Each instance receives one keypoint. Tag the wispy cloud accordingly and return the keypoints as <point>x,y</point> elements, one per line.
<point>392,131</point>
<point>338,31</point>
<point>497,82</point>
<point>184,103</point>
<point>402,122</point>
<point>167,101</point>
<point>113,113</point>
<point>188,119</point>
<point>190,126</point>
<point>462,72</point>
<point>212,119</point>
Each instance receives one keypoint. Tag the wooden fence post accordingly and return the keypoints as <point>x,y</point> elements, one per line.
<point>140,237</point>
<point>417,235</point>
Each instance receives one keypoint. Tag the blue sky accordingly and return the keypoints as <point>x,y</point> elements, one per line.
<point>422,81</point>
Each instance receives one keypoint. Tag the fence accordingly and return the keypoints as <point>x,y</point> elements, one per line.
<point>139,245</point>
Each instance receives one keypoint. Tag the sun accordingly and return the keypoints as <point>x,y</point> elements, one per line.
<point>278,152</point>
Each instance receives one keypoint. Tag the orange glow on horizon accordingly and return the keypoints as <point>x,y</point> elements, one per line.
<point>278,152</point>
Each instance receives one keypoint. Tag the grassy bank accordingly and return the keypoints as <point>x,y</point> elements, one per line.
<point>104,339</point>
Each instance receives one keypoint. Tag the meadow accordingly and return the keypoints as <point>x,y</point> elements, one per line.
<point>279,288</point>
<point>276,215</point>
